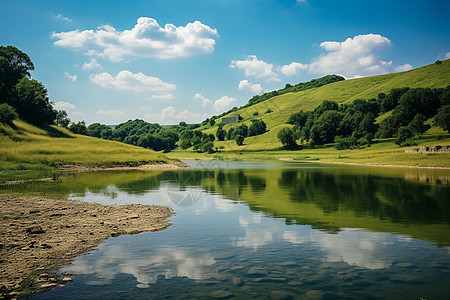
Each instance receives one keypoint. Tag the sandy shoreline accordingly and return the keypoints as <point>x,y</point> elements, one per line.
<point>39,235</point>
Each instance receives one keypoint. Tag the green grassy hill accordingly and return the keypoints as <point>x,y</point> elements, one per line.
<point>432,76</point>
<point>30,152</point>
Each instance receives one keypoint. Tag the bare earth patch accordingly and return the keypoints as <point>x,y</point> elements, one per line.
<point>39,235</point>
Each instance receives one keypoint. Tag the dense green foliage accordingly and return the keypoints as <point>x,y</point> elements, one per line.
<point>286,137</point>
<point>139,133</point>
<point>27,96</point>
<point>443,118</point>
<point>7,114</point>
<point>353,125</point>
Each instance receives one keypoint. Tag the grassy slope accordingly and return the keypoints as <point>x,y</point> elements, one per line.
<point>434,76</point>
<point>30,148</point>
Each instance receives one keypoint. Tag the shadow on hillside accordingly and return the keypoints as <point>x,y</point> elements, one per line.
<point>54,132</point>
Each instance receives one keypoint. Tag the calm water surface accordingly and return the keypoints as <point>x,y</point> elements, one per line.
<point>269,230</point>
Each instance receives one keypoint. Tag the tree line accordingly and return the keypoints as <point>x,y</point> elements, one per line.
<point>353,125</point>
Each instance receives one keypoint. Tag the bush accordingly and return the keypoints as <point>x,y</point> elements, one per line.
<point>286,137</point>
<point>7,114</point>
<point>79,128</point>
<point>239,139</point>
<point>184,144</point>
<point>257,127</point>
<point>345,143</point>
<point>403,134</point>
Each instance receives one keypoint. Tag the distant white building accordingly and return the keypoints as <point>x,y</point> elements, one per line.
<point>229,120</point>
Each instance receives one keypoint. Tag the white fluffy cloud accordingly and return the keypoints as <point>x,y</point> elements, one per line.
<point>447,55</point>
<point>405,67</point>
<point>125,80</point>
<point>146,39</point>
<point>292,69</point>
<point>352,57</point>
<point>92,64</point>
<point>70,77</point>
<point>252,66</point>
<point>223,103</point>
<point>64,106</point>
<point>205,101</point>
<point>169,115</point>
<point>252,87</point>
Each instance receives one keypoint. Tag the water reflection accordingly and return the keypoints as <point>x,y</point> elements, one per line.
<point>341,233</point>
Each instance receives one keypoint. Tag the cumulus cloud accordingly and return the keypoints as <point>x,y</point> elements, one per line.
<point>205,101</point>
<point>125,80</point>
<point>70,77</point>
<point>252,87</point>
<point>352,57</point>
<point>292,69</point>
<point>252,66</point>
<point>60,105</point>
<point>223,103</point>
<point>447,55</point>
<point>169,115</point>
<point>92,64</point>
<point>405,67</point>
<point>146,39</point>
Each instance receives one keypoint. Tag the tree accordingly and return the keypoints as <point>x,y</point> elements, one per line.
<point>32,103</point>
<point>208,147</point>
<point>257,127</point>
<point>14,65</point>
<point>185,144</point>
<point>417,124</point>
<point>239,139</point>
<point>221,134</point>
<point>403,134</point>
<point>7,114</point>
<point>62,119</point>
<point>286,137</point>
<point>326,127</point>
<point>79,128</point>
<point>442,118</point>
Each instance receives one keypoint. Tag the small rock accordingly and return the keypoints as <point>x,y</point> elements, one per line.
<point>221,294</point>
<point>66,279</point>
<point>237,281</point>
<point>257,271</point>
<point>48,285</point>
<point>133,217</point>
<point>35,229</point>
<point>314,294</point>
<point>279,295</point>
<point>404,265</point>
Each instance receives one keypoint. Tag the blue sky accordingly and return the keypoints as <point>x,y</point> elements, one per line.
<point>168,61</point>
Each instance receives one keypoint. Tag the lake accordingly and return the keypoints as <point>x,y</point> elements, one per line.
<point>269,230</point>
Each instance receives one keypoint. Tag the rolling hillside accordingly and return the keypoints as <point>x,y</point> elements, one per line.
<point>27,149</point>
<point>432,76</point>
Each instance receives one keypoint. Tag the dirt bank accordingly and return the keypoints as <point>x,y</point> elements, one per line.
<point>156,166</point>
<point>38,235</point>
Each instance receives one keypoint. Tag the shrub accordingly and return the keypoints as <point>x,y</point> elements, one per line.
<point>239,139</point>
<point>286,137</point>
<point>7,114</point>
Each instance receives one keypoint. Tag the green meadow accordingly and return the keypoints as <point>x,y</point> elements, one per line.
<point>30,152</point>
